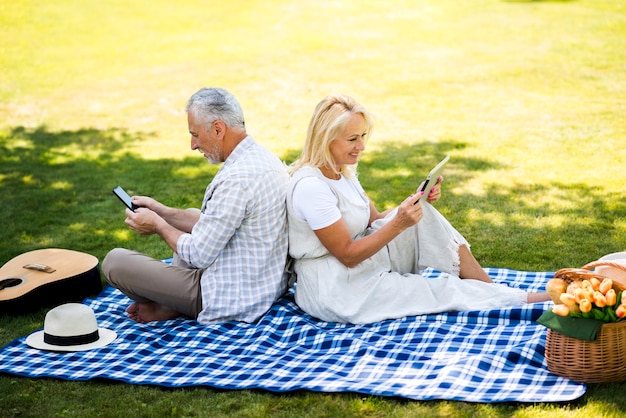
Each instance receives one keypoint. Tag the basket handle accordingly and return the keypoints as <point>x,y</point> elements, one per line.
<point>607,263</point>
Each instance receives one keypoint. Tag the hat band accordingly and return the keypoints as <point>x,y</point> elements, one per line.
<point>71,340</point>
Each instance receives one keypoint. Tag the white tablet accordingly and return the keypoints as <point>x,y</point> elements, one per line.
<point>431,180</point>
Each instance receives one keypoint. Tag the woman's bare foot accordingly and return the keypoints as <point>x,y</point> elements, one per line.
<point>144,312</point>
<point>537,297</point>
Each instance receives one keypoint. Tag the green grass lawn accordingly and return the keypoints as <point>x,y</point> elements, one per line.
<point>528,98</point>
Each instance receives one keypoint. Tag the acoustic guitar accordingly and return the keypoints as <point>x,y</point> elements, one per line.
<point>47,277</point>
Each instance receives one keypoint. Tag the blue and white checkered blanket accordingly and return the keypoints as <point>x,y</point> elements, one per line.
<point>482,356</point>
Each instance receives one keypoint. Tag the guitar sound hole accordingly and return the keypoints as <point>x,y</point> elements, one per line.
<point>10,282</point>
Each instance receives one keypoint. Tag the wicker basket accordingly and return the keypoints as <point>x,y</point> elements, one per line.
<point>609,268</point>
<point>599,361</point>
<point>602,360</point>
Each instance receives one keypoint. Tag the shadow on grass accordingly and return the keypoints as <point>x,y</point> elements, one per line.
<point>538,227</point>
<point>55,189</point>
<point>56,192</point>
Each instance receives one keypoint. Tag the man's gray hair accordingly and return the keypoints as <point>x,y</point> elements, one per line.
<point>212,103</point>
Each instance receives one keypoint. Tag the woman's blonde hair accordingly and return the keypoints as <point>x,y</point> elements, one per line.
<point>329,120</point>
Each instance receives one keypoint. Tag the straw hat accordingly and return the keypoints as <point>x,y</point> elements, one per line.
<point>70,327</point>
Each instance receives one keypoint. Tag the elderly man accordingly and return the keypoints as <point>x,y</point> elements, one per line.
<point>229,257</point>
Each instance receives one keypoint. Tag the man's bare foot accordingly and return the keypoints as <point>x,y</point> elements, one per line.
<point>144,312</point>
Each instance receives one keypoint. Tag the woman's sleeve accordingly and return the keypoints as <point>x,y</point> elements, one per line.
<point>315,202</point>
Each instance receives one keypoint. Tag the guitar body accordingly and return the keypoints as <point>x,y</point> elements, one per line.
<point>47,277</point>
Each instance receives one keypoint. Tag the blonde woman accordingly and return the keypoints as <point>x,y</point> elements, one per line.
<point>357,265</point>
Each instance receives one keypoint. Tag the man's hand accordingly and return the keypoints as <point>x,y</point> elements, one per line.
<point>150,203</point>
<point>143,221</point>
<point>147,222</point>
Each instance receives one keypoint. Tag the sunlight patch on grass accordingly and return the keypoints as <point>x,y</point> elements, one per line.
<point>189,171</point>
<point>399,172</point>
<point>530,220</point>
<point>475,215</point>
<point>620,227</point>
<point>29,180</point>
<point>13,144</point>
<point>78,226</point>
<point>40,240</point>
<point>175,147</point>
<point>61,185</point>
<point>122,234</point>
<point>557,221</point>
<point>69,153</point>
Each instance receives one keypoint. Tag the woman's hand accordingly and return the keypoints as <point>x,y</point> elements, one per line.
<point>339,241</point>
<point>409,213</point>
<point>435,192</point>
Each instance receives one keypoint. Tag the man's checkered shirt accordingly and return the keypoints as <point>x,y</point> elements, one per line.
<point>241,237</point>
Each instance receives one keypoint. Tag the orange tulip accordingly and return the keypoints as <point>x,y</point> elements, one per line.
<point>606,285</point>
<point>567,299</point>
<point>599,299</point>
<point>585,306</point>
<point>620,312</point>
<point>587,285</point>
<point>580,294</point>
<point>611,297</point>
<point>560,310</point>
<point>595,283</point>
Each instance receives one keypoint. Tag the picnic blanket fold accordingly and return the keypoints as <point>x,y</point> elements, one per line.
<point>479,356</point>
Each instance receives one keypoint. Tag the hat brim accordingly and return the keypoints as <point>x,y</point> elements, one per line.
<point>106,336</point>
